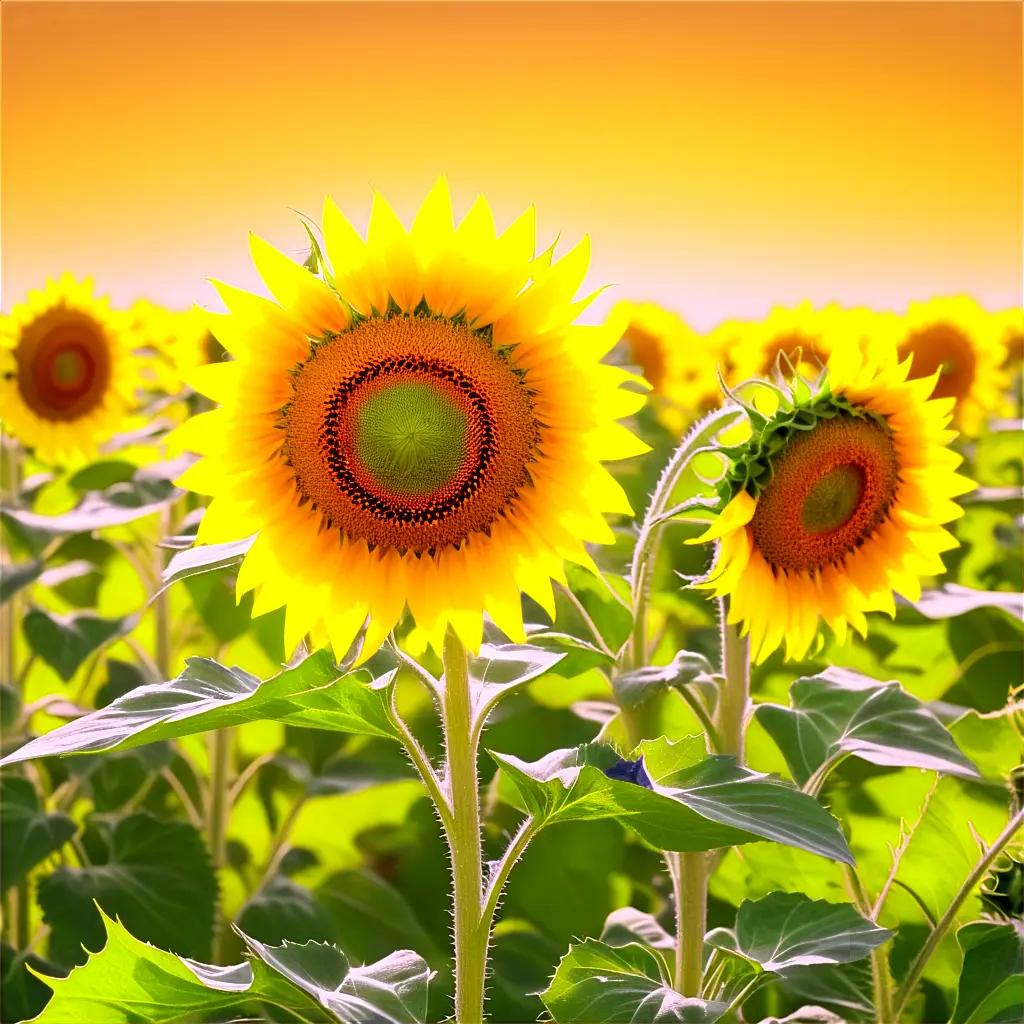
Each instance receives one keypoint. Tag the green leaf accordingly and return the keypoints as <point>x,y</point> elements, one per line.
<point>609,613</point>
<point>992,980</point>
<point>784,930</point>
<point>627,924</point>
<point>500,668</point>
<point>601,984</point>
<point>15,577</point>
<point>65,641</point>
<point>22,994</point>
<point>204,558</point>
<point>27,833</point>
<point>285,909</point>
<point>131,982</point>
<point>155,875</point>
<point>841,712</point>
<point>210,696</point>
<point>98,476</point>
<point>371,917</point>
<point>686,669</point>
<point>681,800</point>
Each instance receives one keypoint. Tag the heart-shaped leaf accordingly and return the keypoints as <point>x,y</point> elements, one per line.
<point>784,930</point>
<point>952,599</point>
<point>602,984</point>
<point>992,978</point>
<point>841,712</point>
<point>204,558</point>
<point>145,871</point>
<point>674,797</point>
<point>65,641</point>
<point>27,833</point>
<point>210,696</point>
<point>500,668</point>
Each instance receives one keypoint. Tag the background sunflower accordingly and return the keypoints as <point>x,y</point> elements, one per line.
<point>68,375</point>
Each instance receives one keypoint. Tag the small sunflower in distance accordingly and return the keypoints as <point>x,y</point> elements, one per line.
<point>68,377</point>
<point>966,345</point>
<point>424,427</point>
<point>675,360</point>
<point>800,337</point>
<point>835,501</point>
<point>170,344</point>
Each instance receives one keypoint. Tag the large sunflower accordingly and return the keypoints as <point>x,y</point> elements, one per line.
<point>966,345</point>
<point>835,501</point>
<point>424,428</point>
<point>68,375</point>
<point>675,360</point>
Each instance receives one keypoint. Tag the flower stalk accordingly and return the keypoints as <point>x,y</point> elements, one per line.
<point>472,932</point>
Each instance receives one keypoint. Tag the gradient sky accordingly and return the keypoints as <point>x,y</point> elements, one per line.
<point>723,156</point>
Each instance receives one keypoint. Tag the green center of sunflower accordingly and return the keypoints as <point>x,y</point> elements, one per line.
<point>69,367</point>
<point>833,499</point>
<point>411,437</point>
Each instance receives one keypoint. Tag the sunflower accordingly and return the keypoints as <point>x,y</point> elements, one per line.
<point>675,360</point>
<point>796,338</point>
<point>966,345</point>
<point>424,427</point>
<point>68,375</point>
<point>170,343</point>
<point>834,501</point>
<point>1011,325</point>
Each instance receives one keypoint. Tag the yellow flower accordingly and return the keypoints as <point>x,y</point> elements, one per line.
<point>1011,324</point>
<point>424,428</point>
<point>966,345</point>
<point>837,500</point>
<point>676,362</point>
<point>170,344</point>
<point>802,335</point>
<point>68,375</point>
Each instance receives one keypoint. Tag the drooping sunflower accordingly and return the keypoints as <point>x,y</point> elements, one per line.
<point>676,362</point>
<point>68,377</point>
<point>423,427</point>
<point>835,501</point>
<point>170,344</point>
<point>966,345</point>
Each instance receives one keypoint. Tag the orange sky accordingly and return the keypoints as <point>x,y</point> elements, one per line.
<point>723,156</point>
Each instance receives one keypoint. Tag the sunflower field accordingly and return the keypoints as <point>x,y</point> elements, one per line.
<point>405,644</point>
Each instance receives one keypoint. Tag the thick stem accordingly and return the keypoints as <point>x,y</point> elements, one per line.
<point>692,917</point>
<point>471,930</point>
<point>217,812</point>
<point>734,696</point>
<point>10,485</point>
<point>943,924</point>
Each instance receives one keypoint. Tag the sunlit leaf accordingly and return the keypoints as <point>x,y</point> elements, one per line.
<point>602,984</point>
<point>16,577</point>
<point>27,832</point>
<point>952,599</point>
<point>673,797</point>
<point>131,982</point>
<point>841,712</point>
<point>211,696</point>
<point>786,929</point>
<point>686,669</point>
<point>205,558</point>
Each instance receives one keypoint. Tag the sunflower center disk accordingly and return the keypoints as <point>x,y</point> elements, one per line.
<point>411,437</point>
<point>831,488</point>
<point>944,348</point>
<point>409,432</point>
<point>63,366</point>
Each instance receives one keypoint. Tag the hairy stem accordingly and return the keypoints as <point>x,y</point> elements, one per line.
<point>734,696</point>
<point>943,924</point>
<point>692,916</point>
<point>471,930</point>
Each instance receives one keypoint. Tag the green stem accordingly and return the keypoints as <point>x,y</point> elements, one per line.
<point>471,930</point>
<point>692,917</point>
<point>734,696</point>
<point>10,476</point>
<point>161,608</point>
<point>218,810</point>
<point>942,926</point>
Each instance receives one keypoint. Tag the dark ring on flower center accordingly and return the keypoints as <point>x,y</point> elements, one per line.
<point>338,454</point>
